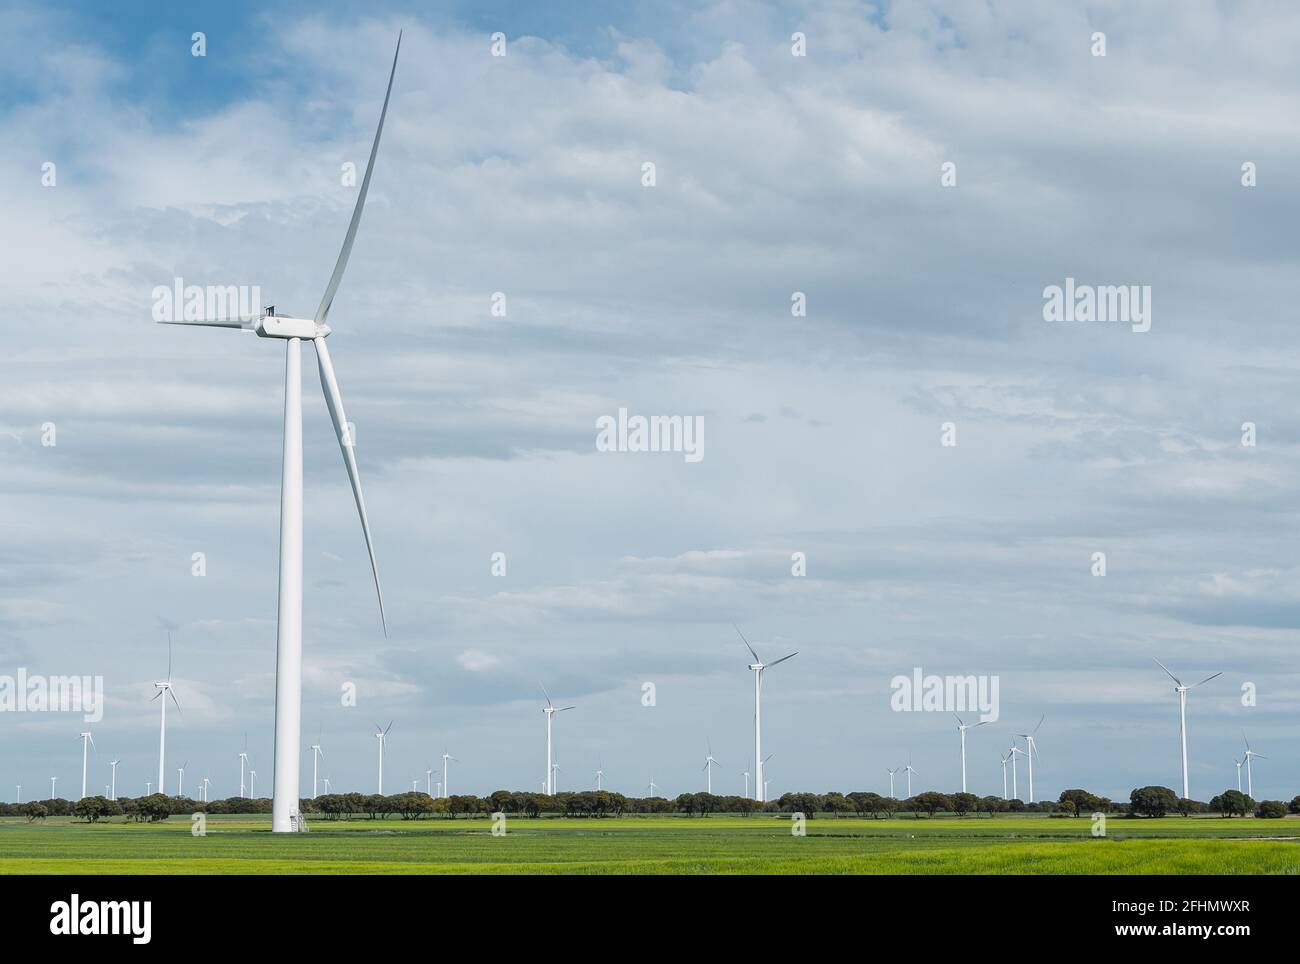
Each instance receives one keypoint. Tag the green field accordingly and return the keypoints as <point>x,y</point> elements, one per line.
<point>658,845</point>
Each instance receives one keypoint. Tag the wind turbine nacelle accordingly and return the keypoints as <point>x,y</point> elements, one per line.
<point>283,326</point>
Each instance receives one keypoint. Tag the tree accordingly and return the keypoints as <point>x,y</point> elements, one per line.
<point>1271,809</point>
<point>1153,801</point>
<point>35,811</point>
<point>1294,805</point>
<point>1084,802</point>
<point>1068,807</point>
<point>990,805</point>
<point>931,801</point>
<point>1231,803</point>
<point>963,803</point>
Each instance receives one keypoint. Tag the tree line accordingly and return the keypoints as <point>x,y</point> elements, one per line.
<point>1151,801</point>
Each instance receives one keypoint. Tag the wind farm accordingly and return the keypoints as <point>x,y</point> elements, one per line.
<point>640,387</point>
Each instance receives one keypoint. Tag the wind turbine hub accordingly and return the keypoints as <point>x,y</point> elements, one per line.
<point>271,325</point>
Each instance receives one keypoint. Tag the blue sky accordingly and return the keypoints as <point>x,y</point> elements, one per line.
<point>775,175</point>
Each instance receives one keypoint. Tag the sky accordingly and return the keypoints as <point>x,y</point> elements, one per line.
<point>824,432</point>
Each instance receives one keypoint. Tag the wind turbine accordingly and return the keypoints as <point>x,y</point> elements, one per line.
<point>746,783</point>
<point>243,759</point>
<point>1239,765</point>
<point>293,331</point>
<point>600,774</point>
<point>180,779</point>
<point>757,666</point>
<point>962,728</point>
<point>1248,756</point>
<point>327,784</point>
<point>909,770</point>
<point>763,768</point>
<point>52,779</point>
<point>87,741</point>
<point>165,687</point>
<point>555,778</point>
<point>550,710</point>
<point>709,763</point>
<point>1015,787</point>
<point>652,788</point>
<point>1181,689</point>
<point>445,757</point>
<point>148,788</point>
<point>113,792</point>
<point>1031,753</point>
<point>428,782</point>
<point>1005,759</point>
<point>317,754</point>
<point>206,784</point>
<point>252,783</point>
<point>381,735</point>
<point>891,779</point>
<point>20,793</point>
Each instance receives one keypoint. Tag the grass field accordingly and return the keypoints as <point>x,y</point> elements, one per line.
<point>657,845</point>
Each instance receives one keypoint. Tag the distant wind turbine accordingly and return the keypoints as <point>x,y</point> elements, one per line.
<point>317,754</point>
<point>891,778</point>
<point>180,779</point>
<point>445,783</point>
<point>909,771</point>
<point>1031,753</point>
<point>1249,756</point>
<point>600,774</point>
<point>52,779</point>
<point>1181,689</point>
<point>293,331</point>
<point>1015,788</point>
<point>1239,763</point>
<point>243,761</point>
<point>113,792</point>
<point>550,710</point>
<point>757,666</point>
<point>1005,760</point>
<point>709,764</point>
<point>165,687</point>
<point>87,741</point>
<point>381,735</point>
<point>428,781</point>
<point>962,728</point>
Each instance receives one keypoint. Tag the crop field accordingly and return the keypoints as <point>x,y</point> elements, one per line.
<point>658,845</point>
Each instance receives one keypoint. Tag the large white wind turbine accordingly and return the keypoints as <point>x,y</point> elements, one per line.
<point>165,687</point>
<point>709,764</point>
<point>757,666</point>
<point>252,783</point>
<point>1239,763</point>
<point>1005,759</point>
<point>962,728</point>
<point>1250,755</point>
<point>381,735</point>
<point>445,757</point>
<point>87,741</point>
<point>180,779</point>
<point>243,761</point>
<point>550,709</point>
<point>1031,753</point>
<point>428,782</point>
<point>600,774</point>
<point>891,779</point>
<point>288,664</point>
<point>112,794</point>
<point>1181,689</point>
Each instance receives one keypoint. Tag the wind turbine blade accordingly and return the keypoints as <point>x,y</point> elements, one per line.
<point>379,728</point>
<point>1258,756</point>
<point>781,660</point>
<point>328,299</point>
<point>247,324</point>
<point>1167,673</point>
<point>981,723</point>
<point>389,727</point>
<point>169,657</point>
<point>334,402</point>
<point>1207,679</point>
<point>172,693</point>
<point>96,749</point>
<point>958,719</point>
<point>1038,724</point>
<point>746,642</point>
<point>156,695</point>
<point>563,708</point>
